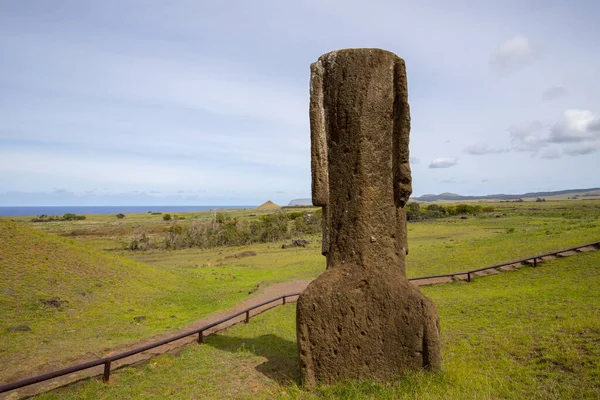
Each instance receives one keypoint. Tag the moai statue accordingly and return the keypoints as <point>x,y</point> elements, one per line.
<point>362,318</point>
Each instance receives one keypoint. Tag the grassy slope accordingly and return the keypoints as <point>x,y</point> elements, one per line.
<point>532,333</point>
<point>104,293</point>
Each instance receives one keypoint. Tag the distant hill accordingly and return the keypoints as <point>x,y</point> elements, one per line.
<point>580,193</point>
<point>300,202</point>
<point>268,205</point>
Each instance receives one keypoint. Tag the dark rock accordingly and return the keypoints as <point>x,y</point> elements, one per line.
<point>54,302</point>
<point>296,243</point>
<point>19,328</point>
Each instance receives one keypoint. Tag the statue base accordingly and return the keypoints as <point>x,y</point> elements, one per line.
<point>351,325</point>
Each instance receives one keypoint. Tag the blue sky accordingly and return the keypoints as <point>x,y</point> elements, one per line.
<point>197,102</point>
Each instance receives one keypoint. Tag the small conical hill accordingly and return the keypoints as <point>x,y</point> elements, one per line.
<point>268,205</point>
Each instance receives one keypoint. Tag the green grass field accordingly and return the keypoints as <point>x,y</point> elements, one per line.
<point>105,286</point>
<point>104,292</point>
<point>531,333</point>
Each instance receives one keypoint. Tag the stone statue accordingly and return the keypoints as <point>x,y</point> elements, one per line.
<point>362,318</point>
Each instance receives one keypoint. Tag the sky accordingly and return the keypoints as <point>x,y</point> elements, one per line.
<point>192,102</point>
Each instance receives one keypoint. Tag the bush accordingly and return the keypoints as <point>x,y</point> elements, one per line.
<point>435,211</point>
<point>73,217</point>
<point>139,242</point>
<point>45,218</point>
<point>464,209</point>
<point>167,217</point>
<point>413,212</point>
<point>120,216</point>
<point>295,215</point>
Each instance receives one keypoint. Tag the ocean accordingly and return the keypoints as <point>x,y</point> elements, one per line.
<point>83,210</point>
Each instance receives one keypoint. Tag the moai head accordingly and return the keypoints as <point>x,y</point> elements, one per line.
<point>360,126</point>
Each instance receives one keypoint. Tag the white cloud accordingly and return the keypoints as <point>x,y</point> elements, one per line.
<point>483,149</point>
<point>514,54</point>
<point>199,86</point>
<point>578,130</point>
<point>443,162</point>
<point>576,126</point>
<point>527,137</point>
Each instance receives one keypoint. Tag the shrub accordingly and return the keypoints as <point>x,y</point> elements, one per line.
<point>73,217</point>
<point>295,215</point>
<point>167,217</point>
<point>413,211</point>
<point>465,209</point>
<point>45,218</point>
<point>120,216</point>
<point>139,242</point>
<point>435,211</point>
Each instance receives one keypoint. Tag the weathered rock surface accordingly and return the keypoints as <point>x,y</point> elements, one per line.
<point>362,318</point>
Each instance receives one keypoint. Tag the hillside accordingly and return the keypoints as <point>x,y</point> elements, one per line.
<point>36,266</point>
<point>578,193</point>
<point>62,301</point>
<point>59,298</point>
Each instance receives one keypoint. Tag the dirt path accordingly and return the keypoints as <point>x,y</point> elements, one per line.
<point>262,296</point>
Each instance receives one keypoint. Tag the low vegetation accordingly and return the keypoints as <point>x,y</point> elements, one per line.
<point>416,211</point>
<point>65,217</point>
<point>224,231</point>
<point>531,333</point>
<point>79,294</point>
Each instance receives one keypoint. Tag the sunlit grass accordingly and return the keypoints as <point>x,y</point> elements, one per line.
<point>531,333</point>
<point>106,290</point>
